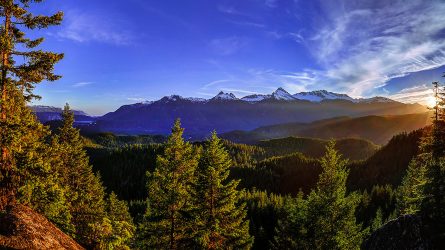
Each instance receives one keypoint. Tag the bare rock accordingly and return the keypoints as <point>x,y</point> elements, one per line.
<point>23,228</point>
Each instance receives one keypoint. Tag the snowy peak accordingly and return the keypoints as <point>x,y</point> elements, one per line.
<point>379,99</point>
<point>281,94</point>
<point>320,95</point>
<point>278,95</point>
<point>256,98</point>
<point>225,96</point>
<point>175,98</point>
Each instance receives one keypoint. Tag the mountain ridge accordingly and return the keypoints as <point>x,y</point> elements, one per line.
<point>279,94</point>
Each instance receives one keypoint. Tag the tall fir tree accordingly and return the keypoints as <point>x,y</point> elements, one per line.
<point>433,203</point>
<point>116,230</point>
<point>85,190</point>
<point>221,222</point>
<point>326,218</point>
<point>291,231</point>
<point>168,223</point>
<point>331,222</point>
<point>410,193</point>
<point>20,132</point>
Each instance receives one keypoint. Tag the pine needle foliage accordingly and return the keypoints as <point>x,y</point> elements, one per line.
<point>220,215</point>
<point>168,223</point>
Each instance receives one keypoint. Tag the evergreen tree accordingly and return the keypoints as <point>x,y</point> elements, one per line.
<point>291,231</point>
<point>168,222</point>
<point>378,220</point>
<point>220,215</point>
<point>20,134</point>
<point>85,190</point>
<point>117,228</point>
<point>410,193</point>
<point>331,222</point>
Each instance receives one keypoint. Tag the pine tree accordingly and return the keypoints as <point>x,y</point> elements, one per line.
<point>168,222</point>
<point>291,231</point>
<point>117,229</point>
<point>85,190</point>
<point>410,193</point>
<point>19,131</point>
<point>220,215</point>
<point>331,222</point>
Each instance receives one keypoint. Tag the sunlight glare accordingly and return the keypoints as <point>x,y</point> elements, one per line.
<point>430,101</point>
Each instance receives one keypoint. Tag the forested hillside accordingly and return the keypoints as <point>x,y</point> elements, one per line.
<point>377,129</point>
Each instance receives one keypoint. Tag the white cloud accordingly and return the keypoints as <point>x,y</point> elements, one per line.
<point>420,94</point>
<point>81,84</point>
<point>361,45</point>
<point>136,99</point>
<point>86,27</point>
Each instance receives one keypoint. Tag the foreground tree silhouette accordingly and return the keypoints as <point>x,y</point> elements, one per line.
<point>220,216</point>
<point>19,131</point>
<point>168,222</point>
<point>423,188</point>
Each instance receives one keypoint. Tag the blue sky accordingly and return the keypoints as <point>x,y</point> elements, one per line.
<point>126,51</point>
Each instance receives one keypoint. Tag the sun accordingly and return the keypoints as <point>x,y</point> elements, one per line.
<point>430,101</point>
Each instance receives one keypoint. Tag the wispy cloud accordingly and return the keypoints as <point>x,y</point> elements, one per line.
<point>81,84</point>
<point>420,94</point>
<point>88,27</point>
<point>228,46</point>
<point>362,45</point>
<point>136,99</point>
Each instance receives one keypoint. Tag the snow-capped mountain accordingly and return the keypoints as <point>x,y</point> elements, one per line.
<point>225,96</point>
<point>256,98</point>
<point>225,112</point>
<point>278,95</point>
<point>281,94</point>
<point>320,95</point>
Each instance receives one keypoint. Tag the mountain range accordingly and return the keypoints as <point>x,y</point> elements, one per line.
<point>225,112</point>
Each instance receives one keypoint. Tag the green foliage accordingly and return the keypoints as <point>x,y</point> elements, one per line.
<point>123,169</point>
<point>263,211</point>
<point>85,190</point>
<point>329,221</point>
<point>96,222</point>
<point>118,224</point>
<point>168,221</point>
<point>410,193</point>
<point>388,165</point>
<point>220,216</point>
<point>353,149</point>
<point>381,198</point>
<point>21,136</point>
<point>331,217</point>
<point>378,220</point>
<point>291,229</point>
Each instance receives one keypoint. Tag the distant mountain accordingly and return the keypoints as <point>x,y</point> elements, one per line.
<point>225,112</point>
<point>48,113</point>
<point>378,129</point>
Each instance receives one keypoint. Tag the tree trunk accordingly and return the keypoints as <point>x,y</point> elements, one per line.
<point>6,192</point>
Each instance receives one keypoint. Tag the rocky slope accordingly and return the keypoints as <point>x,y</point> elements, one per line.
<point>23,228</point>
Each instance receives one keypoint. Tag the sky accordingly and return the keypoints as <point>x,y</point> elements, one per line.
<point>126,51</point>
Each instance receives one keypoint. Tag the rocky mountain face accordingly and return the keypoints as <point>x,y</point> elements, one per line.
<point>23,228</point>
<point>405,232</point>
<point>225,112</point>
